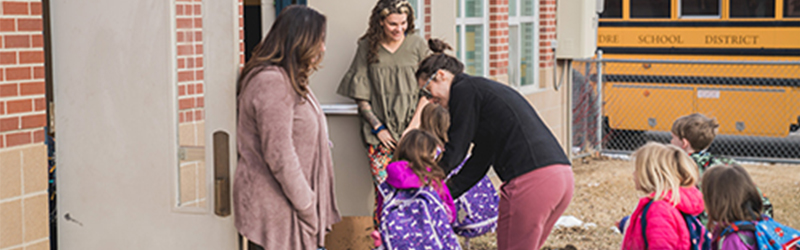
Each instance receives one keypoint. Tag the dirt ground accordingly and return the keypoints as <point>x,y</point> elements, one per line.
<point>604,193</point>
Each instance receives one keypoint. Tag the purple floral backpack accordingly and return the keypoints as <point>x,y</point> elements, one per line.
<point>476,209</point>
<point>414,219</point>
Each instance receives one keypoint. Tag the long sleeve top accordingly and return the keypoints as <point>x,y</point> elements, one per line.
<point>283,189</point>
<point>504,128</point>
<point>666,228</point>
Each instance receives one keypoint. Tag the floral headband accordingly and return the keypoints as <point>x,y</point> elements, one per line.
<point>402,7</point>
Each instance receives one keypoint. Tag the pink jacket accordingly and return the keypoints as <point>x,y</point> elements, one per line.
<point>400,176</point>
<point>666,228</point>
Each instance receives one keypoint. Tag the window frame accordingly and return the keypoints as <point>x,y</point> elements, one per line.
<point>517,20</point>
<point>419,17</point>
<point>462,21</point>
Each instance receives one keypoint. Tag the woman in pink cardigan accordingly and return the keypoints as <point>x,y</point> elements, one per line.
<point>668,176</point>
<point>283,188</point>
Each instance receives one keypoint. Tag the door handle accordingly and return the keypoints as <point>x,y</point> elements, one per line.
<point>222,191</point>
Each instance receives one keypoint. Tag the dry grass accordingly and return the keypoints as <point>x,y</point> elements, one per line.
<point>604,193</point>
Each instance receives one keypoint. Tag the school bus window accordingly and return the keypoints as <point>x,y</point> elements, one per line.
<point>752,8</point>
<point>650,8</point>
<point>700,7</point>
<point>612,9</point>
<point>791,8</point>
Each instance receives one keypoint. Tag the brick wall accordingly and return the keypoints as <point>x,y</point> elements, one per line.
<point>427,19</point>
<point>189,21</point>
<point>547,32</point>
<point>241,34</point>
<point>191,127</point>
<point>498,40</point>
<point>22,104</point>
<point>23,155</point>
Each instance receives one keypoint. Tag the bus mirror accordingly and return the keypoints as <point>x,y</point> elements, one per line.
<point>599,6</point>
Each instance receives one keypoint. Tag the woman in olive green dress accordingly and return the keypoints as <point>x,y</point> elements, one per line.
<point>381,80</point>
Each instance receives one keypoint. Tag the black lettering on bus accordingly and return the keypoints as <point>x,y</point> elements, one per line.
<point>732,39</point>
<point>608,39</point>
<point>660,39</point>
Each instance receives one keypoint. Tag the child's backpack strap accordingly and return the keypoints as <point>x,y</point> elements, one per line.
<point>644,223</point>
<point>698,236</point>
<point>736,228</point>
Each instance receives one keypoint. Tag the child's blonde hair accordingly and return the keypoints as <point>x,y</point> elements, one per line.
<point>661,168</point>
<point>730,194</point>
<point>418,148</point>
<point>696,128</point>
<point>436,120</point>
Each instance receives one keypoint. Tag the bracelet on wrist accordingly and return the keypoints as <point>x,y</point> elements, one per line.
<point>375,131</point>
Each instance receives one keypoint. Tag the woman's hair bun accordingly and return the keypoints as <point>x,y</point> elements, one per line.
<point>438,46</point>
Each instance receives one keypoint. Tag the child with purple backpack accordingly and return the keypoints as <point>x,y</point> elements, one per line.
<point>476,210</point>
<point>416,208</point>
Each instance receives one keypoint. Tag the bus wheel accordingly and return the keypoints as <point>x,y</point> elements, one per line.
<point>621,139</point>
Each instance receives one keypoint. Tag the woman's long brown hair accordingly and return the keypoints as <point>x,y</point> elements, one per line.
<point>294,43</point>
<point>418,147</point>
<point>375,34</point>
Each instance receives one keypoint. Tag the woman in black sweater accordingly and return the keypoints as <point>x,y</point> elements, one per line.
<point>508,134</point>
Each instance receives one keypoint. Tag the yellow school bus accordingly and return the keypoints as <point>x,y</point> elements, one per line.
<point>754,99</point>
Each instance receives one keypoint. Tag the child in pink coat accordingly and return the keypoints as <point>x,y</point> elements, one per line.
<point>668,176</point>
<point>414,166</point>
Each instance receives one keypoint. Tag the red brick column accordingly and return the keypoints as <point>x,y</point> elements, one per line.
<point>22,102</point>
<point>498,40</point>
<point>23,116</point>
<point>547,32</point>
<point>241,34</point>
<point>427,22</point>
<point>189,20</point>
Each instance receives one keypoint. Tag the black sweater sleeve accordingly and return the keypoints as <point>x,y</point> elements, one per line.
<point>464,106</point>
<point>464,112</point>
<point>473,171</point>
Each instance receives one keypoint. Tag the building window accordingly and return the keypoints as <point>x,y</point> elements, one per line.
<point>612,9</point>
<point>281,4</point>
<point>650,8</point>
<point>523,44</point>
<point>791,8</point>
<point>419,16</point>
<point>752,8</point>
<point>700,8</point>
<point>471,33</point>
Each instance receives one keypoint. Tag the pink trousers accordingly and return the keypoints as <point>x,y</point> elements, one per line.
<point>530,204</point>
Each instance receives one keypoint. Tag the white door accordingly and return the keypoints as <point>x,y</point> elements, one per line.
<point>136,137</point>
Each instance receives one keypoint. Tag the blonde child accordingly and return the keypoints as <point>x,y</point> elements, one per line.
<point>668,177</point>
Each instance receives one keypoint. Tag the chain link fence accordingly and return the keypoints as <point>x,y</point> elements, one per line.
<point>620,104</point>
